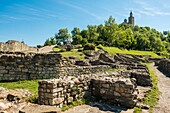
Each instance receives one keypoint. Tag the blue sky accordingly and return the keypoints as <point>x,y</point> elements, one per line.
<point>33,21</point>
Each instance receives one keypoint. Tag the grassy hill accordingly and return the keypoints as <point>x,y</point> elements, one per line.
<point>110,50</point>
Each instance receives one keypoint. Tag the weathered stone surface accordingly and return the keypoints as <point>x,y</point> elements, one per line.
<point>108,86</point>
<point>13,45</point>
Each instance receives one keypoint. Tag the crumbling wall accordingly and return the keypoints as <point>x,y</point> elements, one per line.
<point>13,45</point>
<point>20,66</point>
<point>113,90</point>
<point>164,65</point>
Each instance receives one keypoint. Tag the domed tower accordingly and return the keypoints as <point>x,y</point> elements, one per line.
<point>131,19</point>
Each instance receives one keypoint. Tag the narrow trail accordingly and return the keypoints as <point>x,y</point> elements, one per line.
<point>163,105</point>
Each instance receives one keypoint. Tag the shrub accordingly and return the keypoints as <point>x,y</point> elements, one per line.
<point>89,47</point>
<point>39,46</point>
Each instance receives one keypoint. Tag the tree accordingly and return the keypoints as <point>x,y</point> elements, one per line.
<point>75,31</point>
<point>77,38</point>
<point>53,41</point>
<point>93,35</point>
<point>47,42</point>
<point>62,35</point>
<point>85,34</point>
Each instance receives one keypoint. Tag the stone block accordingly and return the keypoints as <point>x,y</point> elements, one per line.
<point>57,101</point>
<point>2,67</point>
<point>3,71</point>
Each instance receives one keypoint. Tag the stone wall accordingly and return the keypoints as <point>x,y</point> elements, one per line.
<point>106,87</point>
<point>20,66</point>
<point>164,65</point>
<point>13,45</point>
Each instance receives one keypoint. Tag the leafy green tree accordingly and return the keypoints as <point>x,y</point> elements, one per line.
<point>85,34</point>
<point>77,39</point>
<point>75,31</point>
<point>53,41</point>
<point>93,35</point>
<point>47,43</point>
<point>62,35</point>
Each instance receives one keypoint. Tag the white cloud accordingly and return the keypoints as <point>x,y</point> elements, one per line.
<point>144,8</point>
<point>28,12</point>
<point>81,9</point>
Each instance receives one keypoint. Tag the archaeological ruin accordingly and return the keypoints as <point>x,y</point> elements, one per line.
<point>69,79</point>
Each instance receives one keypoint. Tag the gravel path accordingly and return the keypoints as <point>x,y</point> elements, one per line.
<point>46,49</point>
<point>163,105</point>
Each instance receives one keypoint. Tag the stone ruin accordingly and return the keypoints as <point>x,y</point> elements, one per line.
<point>70,79</point>
<point>120,88</point>
<point>13,45</point>
<point>164,65</point>
<point>108,87</point>
<point>27,66</point>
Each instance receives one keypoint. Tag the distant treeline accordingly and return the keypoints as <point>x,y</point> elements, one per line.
<point>110,33</point>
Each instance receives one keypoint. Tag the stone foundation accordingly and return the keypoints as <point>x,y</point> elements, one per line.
<point>111,89</point>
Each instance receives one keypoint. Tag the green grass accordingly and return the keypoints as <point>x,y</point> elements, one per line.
<point>75,103</point>
<point>137,110</point>
<point>110,50</point>
<point>30,85</point>
<point>151,98</point>
<point>73,53</point>
<point>114,50</point>
<point>56,49</point>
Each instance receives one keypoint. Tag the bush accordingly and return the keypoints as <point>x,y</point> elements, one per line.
<point>89,47</point>
<point>100,46</point>
<point>62,50</point>
<point>39,46</point>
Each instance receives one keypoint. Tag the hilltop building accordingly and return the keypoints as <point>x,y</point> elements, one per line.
<point>130,19</point>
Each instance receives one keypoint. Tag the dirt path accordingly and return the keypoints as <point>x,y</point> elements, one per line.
<point>46,49</point>
<point>163,105</point>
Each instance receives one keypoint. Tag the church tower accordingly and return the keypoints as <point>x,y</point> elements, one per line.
<point>131,19</point>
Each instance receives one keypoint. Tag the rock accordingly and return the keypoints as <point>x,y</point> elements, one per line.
<point>58,101</point>
<point>142,106</point>
<point>82,63</point>
<point>11,98</point>
<point>3,106</point>
<point>40,109</point>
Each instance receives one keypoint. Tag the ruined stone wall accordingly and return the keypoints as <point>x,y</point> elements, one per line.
<point>112,90</point>
<point>164,65</point>
<point>29,66</point>
<point>13,45</point>
<point>79,70</point>
<point>20,66</point>
<point>59,92</point>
